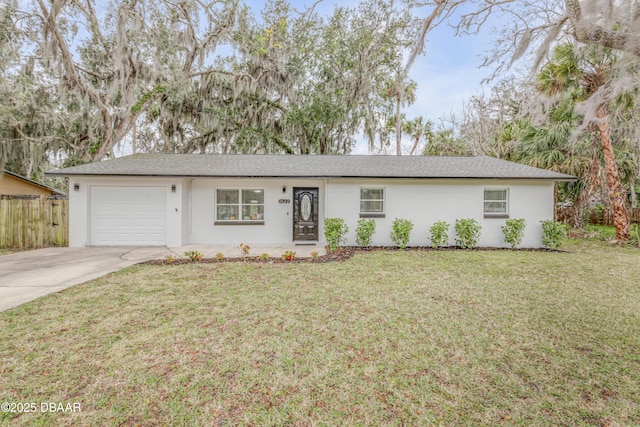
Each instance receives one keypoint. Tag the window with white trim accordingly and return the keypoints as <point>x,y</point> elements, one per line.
<point>371,202</point>
<point>244,205</point>
<point>496,202</point>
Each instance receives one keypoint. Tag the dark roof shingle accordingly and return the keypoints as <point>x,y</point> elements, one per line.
<point>309,166</point>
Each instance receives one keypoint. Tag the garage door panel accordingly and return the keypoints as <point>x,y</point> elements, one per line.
<point>128,216</point>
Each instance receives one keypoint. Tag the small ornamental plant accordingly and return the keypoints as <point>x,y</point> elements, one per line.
<point>553,234</point>
<point>467,232</point>
<point>193,255</point>
<point>264,256</point>
<point>170,259</point>
<point>244,249</point>
<point>513,230</point>
<point>364,231</point>
<point>439,234</point>
<point>314,255</point>
<point>288,255</point>
<point>335,232</point>
<point>401,232</point>
<point>219,256</point>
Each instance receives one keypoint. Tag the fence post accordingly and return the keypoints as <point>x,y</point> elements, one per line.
<point>5,223</point>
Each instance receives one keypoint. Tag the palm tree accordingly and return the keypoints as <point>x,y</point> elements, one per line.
<point>584,74</point>
<point>418,129</point>
<point>445,143</point>
<point>549,147</point>
<point>404,92</point>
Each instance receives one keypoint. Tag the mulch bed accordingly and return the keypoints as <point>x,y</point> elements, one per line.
<point>341,254</point>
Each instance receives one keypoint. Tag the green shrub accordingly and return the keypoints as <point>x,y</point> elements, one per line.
<point>401,231</point>
<point>467,232</point>
<point>335,230</point>
<point>513,230</point>
<point>439,234</point>
<point>364,231</point>
<point>553,234</point>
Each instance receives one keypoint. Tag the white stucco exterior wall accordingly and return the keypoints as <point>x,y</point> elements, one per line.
<point>190,210</point>
<point>425,202</point>
<point>278,217</point>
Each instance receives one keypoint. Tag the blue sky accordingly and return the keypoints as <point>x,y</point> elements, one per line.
<point>448,73</point>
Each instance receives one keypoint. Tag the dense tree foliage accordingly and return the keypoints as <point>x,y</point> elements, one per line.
<point>86,75</point>
<point>587,72</point>
<point>598,29</point>
<point>82,77</point>
<point>550,123</point>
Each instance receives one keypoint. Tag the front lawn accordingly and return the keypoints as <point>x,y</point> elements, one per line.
<point>386,338</point>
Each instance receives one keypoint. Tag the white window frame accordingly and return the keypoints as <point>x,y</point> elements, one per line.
<point>384,204</point>
<point>504,214</point>
<point>239,206</point>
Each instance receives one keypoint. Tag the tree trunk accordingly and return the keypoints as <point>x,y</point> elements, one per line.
<point>616,195</point>
<point>398,124</point>
<point>415,145</point>
<point>555,201</point>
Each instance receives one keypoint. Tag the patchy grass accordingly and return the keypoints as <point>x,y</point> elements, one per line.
<point>607,233</point>
<point>602,232</point>
<point>386,338</point>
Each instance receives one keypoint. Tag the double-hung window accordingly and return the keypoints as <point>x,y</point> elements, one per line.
<point>496,202</point>
<point>371,202</point>
<point>240,206</point>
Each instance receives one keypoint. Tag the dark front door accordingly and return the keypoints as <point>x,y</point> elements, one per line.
<point>305,213</point>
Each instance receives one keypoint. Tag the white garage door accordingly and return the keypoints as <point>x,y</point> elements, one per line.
<point>128,216</point>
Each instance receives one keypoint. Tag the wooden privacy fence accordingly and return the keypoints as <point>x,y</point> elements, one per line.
<point>27,222</point>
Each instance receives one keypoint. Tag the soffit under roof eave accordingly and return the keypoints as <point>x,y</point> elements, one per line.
<point>516,178</point>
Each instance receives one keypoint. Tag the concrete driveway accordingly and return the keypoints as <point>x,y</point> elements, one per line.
<point>25,276</point>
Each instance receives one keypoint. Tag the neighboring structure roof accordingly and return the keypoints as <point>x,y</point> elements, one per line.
<point>310,166</point>
<point>15,191</point>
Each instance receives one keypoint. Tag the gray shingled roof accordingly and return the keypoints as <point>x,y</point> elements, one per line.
<point>316,166</point>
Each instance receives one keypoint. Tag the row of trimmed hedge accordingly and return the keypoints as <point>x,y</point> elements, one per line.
<point>467,230</point>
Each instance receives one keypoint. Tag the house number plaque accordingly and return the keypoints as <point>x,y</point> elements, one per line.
<point>284,201</point>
